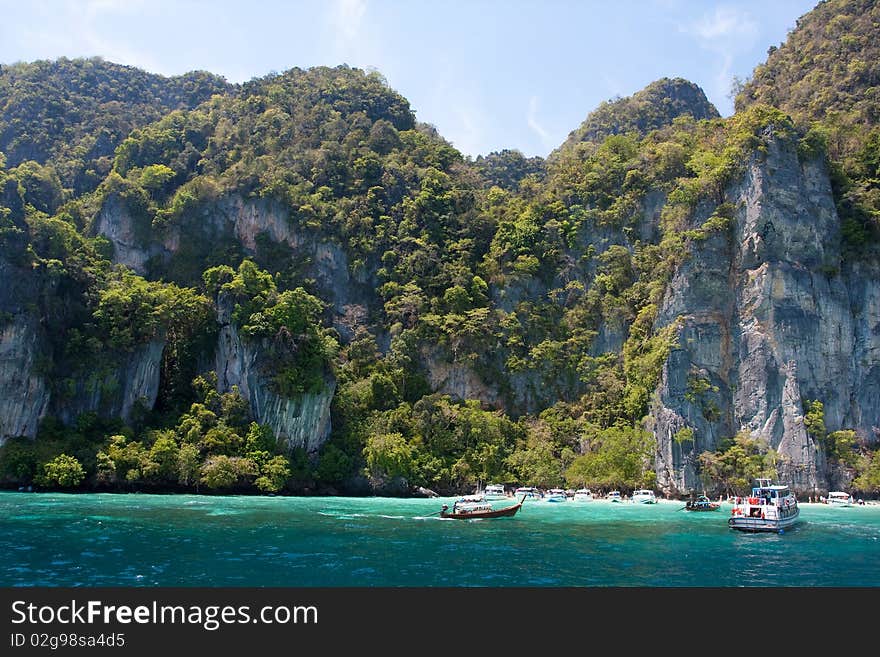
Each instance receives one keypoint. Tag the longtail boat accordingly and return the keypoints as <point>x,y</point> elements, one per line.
<point>476,511</point>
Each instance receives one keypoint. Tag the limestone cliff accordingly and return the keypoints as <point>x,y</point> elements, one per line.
<point>301,421</point>
<point>24,394</point>
<point>242,224</point>
<point>114,389</point>
<point>772,317</point>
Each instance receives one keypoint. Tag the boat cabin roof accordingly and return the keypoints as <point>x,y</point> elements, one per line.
<point>760,490</point>
<point>838,493</point>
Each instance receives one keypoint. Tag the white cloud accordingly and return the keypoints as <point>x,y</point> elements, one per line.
<point>724,28</point>
<point>725,32</point>
<point>535,125</point>
<point>346,22</point>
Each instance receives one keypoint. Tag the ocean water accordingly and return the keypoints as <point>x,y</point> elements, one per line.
<point>49,539</point>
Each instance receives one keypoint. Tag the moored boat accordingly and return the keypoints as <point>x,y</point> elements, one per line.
<point>478,510</point>
<point>770,508</point>
<point>839,499</point>
<point>614,496</point>
<point>583,495</point>
<point>702,503</point>
<point>530,493</point>
<point>494,492</point>
<point>644,496</point>
<point>555,495</point>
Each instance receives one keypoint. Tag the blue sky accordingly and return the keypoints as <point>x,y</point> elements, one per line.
<point>489,74</point>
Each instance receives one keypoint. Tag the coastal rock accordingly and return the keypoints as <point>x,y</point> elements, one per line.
<point>130,236</point>
<point>24,394</point>
<point>770,318</point>
<point>301,421</point>
<point>113,390</point>
<point>247,223</point>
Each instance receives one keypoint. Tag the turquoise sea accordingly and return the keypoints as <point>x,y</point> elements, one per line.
<point>49,539</point>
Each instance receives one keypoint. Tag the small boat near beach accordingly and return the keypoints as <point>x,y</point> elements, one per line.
<point>583,495</point>
<point>478,510</point>
<point>702,503</point>
<point>529,492</point>
<point>555,495</point>
<point>614,496</point>
<point>770,508</point>
<point>839,499</point>
<point>644,496</point>
<point>494,492</point>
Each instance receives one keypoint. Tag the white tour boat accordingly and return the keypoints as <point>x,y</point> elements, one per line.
<point>644,496</point>
<point>614,496</point>
<point>494,492</point>
<point>527,492</point>
<point>583,495</point>
<point>555,495</point>
<point>768,509</point>
<point>839,498</point>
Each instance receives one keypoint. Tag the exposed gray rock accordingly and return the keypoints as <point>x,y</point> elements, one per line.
<point>24,395</point>
<point>246,221</point>
<point>130,238</point>
<point>300,421</point>
<point>770,320</point>
<point>112,391</point>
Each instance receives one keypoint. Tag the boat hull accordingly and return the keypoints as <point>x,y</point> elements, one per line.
<point>757,524</point>
<point>477,515</point>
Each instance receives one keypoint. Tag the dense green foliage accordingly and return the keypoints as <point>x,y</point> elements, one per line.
<point>508,168</point>
<point>733,468</point>
<point>75,112</point>
<point>502,316</point>
<point>829,63</point>
<point>655,106</point>
<point>289,322</point>
<point>827,77</point>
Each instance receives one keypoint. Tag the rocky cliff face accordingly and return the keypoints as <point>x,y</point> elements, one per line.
<point>302,421</point>
<point>771,317</point>
<point>113,391</point>
<point>244,223</point>
<point>24,394</point>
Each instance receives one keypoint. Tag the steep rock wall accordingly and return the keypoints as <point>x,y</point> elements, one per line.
<point>771,317</point>
<point>300,421</point>
<point>112,390</point>
<point>245,221</point>
<point>24,394</point>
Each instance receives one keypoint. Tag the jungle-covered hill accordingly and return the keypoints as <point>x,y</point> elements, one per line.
<point>293,284</point>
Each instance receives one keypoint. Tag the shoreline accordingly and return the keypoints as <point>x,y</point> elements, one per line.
<point>509,498</point>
